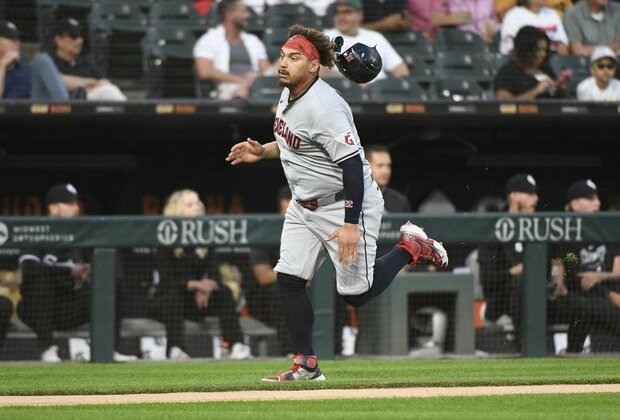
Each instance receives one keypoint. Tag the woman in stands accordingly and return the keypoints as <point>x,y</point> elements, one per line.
<point>528,75</point>
<point>186,288</point>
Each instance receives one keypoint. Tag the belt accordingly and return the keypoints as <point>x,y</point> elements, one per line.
<point>316,203</point>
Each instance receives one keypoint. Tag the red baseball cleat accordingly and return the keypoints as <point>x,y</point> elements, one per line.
<point>304,368</point>
<point>421,247</point>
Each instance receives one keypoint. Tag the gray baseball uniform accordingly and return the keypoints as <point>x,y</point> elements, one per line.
<point>314,133</point>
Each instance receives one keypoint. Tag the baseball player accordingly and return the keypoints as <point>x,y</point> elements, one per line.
<point>336,208</point>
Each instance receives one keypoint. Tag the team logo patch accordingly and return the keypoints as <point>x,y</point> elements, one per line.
<point>347,138</point>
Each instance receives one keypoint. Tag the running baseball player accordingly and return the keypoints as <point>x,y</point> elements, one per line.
<point>336,208</point>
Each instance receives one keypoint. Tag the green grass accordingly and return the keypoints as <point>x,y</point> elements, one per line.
<point>564,407</point>
<point>41,379</point>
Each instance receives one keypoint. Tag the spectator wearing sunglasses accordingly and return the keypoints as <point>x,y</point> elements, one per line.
<point>601,86</point>
<point>77,71</point>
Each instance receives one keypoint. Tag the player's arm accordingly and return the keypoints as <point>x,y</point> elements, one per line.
<point>251,151</point>
<point>353,184</point>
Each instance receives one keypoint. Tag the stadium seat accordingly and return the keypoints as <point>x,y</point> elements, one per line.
<point>117,27</point>
<point>458,89</point>
<point>273,38</point>
<point>411,42</point>
<point>401,90</point>
<point>452,64</point>
<point>256,23</point>
<point>284,15</point>
<point>169,62</point>
<point>350,91</point>
<point>51,11</point>
<point>452,39</point>
<point>497,61</point>
<point>419,67</point>
<point>180,14</point>
<point>266,89</point>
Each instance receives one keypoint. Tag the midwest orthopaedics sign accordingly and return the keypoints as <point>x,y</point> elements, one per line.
<point>202,232</point>
<point>539,228</point>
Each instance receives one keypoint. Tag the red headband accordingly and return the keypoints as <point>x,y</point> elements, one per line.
<point>301,44</point>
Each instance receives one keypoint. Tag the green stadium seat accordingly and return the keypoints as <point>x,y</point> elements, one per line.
<point>273,38</point>
<point>169,62</point>
<point>413,43</point>
<point>579,66</point>
<point>454,64</point>
<point>284,15</point>
<point>180,14</point>
<point>350,91</point>
<point>401,90</point>
<point>419,67</point>
<point>266,90</point>
<point>117,28</point>
<point>458,89</point>
<point>452,39</point>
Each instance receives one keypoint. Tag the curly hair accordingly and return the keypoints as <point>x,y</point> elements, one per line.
<point>322,43</point>
<point>526,43</point>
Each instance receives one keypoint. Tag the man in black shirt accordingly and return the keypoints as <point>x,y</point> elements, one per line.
<point>382,15</point>
<point>78,72</point>
<point>381,164</point>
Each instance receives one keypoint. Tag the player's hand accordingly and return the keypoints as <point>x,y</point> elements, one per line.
<point>589,279</point>
<point>248,151</point>
<point>348,239</point>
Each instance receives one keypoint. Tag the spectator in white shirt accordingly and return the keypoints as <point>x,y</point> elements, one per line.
<point>348,18</point>
<point>228,55</point>
<point>601,86</point>
<point>533,13</point>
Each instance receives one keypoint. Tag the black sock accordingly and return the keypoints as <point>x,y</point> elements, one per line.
<point>386,268</point>
<point>297,311</point>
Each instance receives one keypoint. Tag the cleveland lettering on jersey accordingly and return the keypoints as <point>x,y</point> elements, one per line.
<point>280,128</point>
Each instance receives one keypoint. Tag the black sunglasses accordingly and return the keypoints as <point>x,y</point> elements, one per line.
<point>609,66</point>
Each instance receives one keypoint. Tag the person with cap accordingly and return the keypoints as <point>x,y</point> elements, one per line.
<point>77,71</point>
<point>15,74</point>
<point>601,86</point>
<point>348,18</point>
<point>593,22</point>
<point>56,283</point>
<point>585,277</point>
<point>229,56</point>
<point>337,207</point>
<point>501,265</point>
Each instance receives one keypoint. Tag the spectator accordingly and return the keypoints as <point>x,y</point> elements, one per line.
<point>427,15</point>
<point>229,56</point>
<point>501,265</point>
<point>483,19</point>
<point>585,277</point>
<point>348,17</point>
<point>186,289</point>
<point>601,86</point>
<point>591,23</point>
<point>319,7</point>
<point>10,279</point>
<point>560,6</point>
<point>533,13</point>
<point>528,75</point>
<point>15,75</point>
<point>78,72</point>
<point>381,15</point>
<point>381,165</point>
<point>263,296</point>
<point>56,284</point>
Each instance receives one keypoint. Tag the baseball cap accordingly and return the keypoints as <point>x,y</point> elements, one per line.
<point>8,30</point>
<point>602,51</point>
<point>356,4</point>
<point>584,188</point>
<point>69,27</point>
<point>61,193</point>
<point>521,183</point>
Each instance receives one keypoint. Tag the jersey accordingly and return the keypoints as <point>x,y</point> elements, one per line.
<point>314,133</point>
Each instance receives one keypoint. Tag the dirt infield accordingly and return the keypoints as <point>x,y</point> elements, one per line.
<point>185,397</point>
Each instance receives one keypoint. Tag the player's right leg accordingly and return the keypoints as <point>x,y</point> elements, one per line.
<point>301,251</point>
